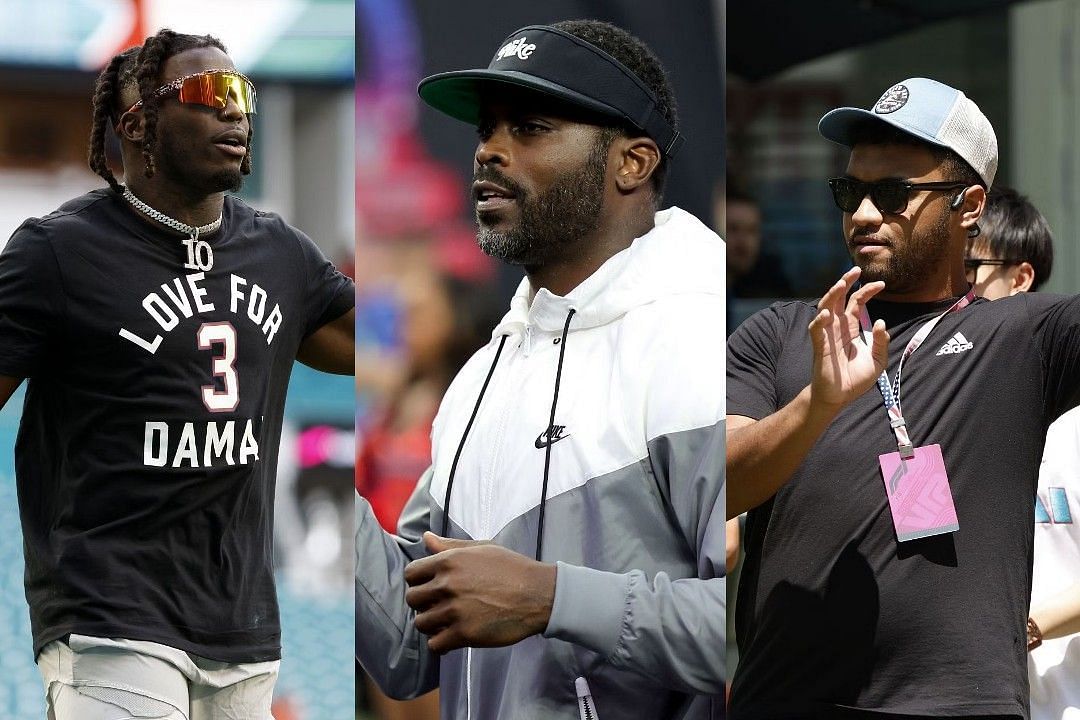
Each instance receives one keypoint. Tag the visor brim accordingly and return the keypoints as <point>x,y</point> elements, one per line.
<point>459,93</point>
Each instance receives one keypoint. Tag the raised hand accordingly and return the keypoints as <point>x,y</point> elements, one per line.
<point>477,594</point>
<point>844,365</point>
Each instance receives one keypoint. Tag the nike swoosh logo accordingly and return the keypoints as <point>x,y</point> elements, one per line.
<point>542,440</point>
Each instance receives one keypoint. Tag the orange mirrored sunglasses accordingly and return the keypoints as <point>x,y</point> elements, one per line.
<point>211,88</point>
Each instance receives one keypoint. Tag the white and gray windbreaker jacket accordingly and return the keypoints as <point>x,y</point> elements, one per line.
<point>633,514</point>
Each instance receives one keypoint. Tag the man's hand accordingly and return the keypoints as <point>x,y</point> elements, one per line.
<point>477,594</point>
<point>844,366</point>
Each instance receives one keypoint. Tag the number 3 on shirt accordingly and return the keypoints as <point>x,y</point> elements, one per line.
<point>224,366</point>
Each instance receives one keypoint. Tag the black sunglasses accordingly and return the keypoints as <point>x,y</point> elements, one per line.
<point>976,263</point>
<point>889,196</point>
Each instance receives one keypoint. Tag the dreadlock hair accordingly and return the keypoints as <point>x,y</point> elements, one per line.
<point>640,60</point>
<point>106,95</point>
<point>141,67</point>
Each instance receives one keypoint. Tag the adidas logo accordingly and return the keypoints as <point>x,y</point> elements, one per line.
<point>957,344</point>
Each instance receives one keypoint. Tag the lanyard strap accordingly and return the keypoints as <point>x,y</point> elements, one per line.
<point>891,398</point>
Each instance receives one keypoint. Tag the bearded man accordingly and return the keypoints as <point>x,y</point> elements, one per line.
<point>578,458</point>
<point>889,544</point>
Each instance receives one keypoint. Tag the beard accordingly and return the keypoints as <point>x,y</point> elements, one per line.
<point>911,262</point>
<point>171,159</point>
<point>550,221</point>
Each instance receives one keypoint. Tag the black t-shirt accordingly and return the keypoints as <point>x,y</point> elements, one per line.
<point>832,610</point>
<point>146,455</point>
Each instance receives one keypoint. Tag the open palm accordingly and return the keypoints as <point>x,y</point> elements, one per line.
<point>844,365</point>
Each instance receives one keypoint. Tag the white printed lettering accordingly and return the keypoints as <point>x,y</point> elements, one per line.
<point>218,444</point>
<point>248,446</point>
<point>150,347</point>
<point>235,296</point>
<point>179,298</point>
<point>272,324</point>
<point>162,313</point>
<point>256,304</point>
<point>186,449</point>
<point>156,444</point>
<point>199,293</point>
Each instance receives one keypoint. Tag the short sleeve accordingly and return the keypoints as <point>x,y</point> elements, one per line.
<point>752,353</point>
<point>328,293</point>
<point>31,300</point>
<point>1056,321</point>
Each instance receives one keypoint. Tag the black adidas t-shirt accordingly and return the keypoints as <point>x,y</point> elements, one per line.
<point>833,612</point>
<point>148,445</point>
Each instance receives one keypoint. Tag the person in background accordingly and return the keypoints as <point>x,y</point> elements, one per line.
<point>1014,253</point>
<point>1014,250</point>
<point>751,272</point>
<point>444,320</point>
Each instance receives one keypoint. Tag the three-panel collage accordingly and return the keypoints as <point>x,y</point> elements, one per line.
<point>576,360</point>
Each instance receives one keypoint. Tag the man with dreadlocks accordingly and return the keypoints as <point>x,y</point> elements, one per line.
<point>564,555</point>
<point>156,323</point>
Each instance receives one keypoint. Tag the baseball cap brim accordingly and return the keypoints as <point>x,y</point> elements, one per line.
<point>839,126</point>
<point>458,93</point>
<point>561,66</point>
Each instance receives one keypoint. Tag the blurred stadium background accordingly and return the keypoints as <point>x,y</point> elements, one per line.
<point>300,53</point>
<point>427,297</point>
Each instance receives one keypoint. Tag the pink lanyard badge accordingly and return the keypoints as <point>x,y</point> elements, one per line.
<point>916,481</point>
<point>891,398</point>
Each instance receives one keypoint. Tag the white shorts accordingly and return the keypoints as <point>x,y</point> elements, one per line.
<point>92,678</point>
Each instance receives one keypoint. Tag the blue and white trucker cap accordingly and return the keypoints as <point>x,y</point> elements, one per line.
<point>930,111</point>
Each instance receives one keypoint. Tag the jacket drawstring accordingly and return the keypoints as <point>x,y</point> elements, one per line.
<point>550,432</point>
<point>465,435</point>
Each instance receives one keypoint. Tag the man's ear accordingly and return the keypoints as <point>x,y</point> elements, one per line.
<point>973,205</point>
<point>130,126</point>
<point>637,158</point>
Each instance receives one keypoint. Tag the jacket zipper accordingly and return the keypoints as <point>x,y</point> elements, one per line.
<point>585,700</point>
<point>468,683</point>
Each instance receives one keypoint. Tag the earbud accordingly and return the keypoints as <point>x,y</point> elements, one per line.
<point>958,200</point>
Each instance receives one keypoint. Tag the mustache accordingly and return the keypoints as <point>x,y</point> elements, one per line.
<point>864,233</point>
<point>490,174</point>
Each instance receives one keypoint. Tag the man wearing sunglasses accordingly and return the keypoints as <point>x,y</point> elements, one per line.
<point>887,444</point>
<point>156,323</point>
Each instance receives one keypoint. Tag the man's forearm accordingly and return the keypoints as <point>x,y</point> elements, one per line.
<point>668,630</point>
<point>1059,615</point>
<point>763,455</point>
<point>388,645</point>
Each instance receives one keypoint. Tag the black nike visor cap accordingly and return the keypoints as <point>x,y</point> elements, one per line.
<point>557,64</point>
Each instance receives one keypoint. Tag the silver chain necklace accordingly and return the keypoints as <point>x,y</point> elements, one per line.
<point>192,230</point>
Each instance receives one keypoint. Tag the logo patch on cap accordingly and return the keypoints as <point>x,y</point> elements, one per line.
<point>894,98</point>
<point>516,47</point>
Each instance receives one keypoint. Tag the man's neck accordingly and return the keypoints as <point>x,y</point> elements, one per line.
<point>954,286</point>
<point>584,257</point>
<point>188,208</point>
